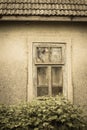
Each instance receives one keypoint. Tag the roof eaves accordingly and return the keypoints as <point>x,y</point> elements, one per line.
<point>44,18</point>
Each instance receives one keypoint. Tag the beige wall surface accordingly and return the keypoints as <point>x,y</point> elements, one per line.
<point>13,65</point>
<point>16,40</point>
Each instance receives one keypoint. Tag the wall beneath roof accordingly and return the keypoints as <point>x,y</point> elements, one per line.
<point>13,64</point>
<point>15,42</point>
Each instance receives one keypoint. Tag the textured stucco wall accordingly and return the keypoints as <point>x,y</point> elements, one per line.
<point>13,65</point>
<point>14,40</point>
<point>79,66</point>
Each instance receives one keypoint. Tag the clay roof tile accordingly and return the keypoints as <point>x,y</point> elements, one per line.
<point>43,7</point>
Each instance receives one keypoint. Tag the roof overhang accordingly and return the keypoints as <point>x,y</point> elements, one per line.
<point>44,18</point>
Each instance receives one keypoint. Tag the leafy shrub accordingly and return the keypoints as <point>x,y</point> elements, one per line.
<point>44,113</point>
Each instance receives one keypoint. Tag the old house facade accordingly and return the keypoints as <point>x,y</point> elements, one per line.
<point>43,48</point>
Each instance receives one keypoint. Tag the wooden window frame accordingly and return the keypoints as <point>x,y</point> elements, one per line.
<point>58,64</point>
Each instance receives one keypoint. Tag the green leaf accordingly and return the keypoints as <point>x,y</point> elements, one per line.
<point>36,129</point>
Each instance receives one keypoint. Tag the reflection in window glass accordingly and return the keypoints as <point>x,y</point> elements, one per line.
<point>57,80</point>
<point>42,91</point>
<point>57,90</point>
<point>42,54</point>
<point>48,54</point>
<point>56,54</point>
<point>42,78</point>
<point>57,76</point>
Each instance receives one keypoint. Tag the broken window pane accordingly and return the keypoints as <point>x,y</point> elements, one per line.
<point>42,54</point>
<point>48,54</point>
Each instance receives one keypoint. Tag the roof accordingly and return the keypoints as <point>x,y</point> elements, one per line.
<point>43,7</point>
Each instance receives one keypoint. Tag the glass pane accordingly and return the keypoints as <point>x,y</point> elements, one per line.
<point>56,54</point>
<point>57,80</point>
<point>42,76</point>
<point>56,90</point>
<point>42,54</point>
<point>42,91</point>
<point>57,77</point>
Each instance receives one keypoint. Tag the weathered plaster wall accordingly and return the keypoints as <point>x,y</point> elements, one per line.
<point>14,38</point>
<point>79,65</point>
<point>13,64</point>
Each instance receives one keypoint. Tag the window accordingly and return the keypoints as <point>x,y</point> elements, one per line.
<point>48,64</point>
